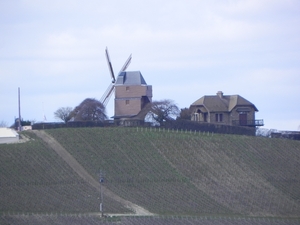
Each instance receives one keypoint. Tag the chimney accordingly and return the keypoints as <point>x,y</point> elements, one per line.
<point>220,94</point>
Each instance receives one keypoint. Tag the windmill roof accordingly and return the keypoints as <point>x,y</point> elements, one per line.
<point>226,103</point>
<point>130,78</point>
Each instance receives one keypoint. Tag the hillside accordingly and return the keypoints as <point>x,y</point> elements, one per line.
<point>34,179</point>
<point>165,172</point>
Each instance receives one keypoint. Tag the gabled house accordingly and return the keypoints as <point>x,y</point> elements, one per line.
<point>225,109</point>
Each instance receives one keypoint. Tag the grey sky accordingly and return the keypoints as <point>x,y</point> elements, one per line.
<point>54,51</point>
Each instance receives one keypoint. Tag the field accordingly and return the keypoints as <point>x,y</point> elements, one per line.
<point>79,219</point>
<point>35,180</point>
<point>177,175</point>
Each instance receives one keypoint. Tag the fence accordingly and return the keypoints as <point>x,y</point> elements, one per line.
<point>175,124</point>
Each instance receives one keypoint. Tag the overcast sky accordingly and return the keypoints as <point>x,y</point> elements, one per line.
<point>54,50</point>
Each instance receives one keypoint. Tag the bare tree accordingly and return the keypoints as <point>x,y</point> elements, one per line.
<point>265,132</point>
<point>162,111</point>
<point>89,110</point>
<point>3,123</point>
<point>63,113</point>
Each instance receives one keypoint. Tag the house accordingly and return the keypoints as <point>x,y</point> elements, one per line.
<point>8,135</point>
<point>132,94</point>
<point>225,109</point>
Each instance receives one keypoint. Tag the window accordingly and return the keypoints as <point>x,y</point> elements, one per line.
<point>127,88</point>
<point>219,117</point>
<point>196,116</point>
<point>127,102</point>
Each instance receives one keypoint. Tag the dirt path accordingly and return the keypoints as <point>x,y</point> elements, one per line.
<point>72,162</point>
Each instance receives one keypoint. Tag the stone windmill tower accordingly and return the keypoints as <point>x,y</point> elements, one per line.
<point>131,94</point>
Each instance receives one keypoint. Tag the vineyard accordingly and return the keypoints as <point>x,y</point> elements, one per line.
<point>79,219</point>
<point>226,179</point>
<point>34,179</point>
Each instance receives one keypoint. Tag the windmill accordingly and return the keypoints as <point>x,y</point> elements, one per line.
<point>132,93</point>
<point>111,88</point>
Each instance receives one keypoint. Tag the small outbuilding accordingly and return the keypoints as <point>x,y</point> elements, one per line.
<point>231,110</point>
<point>8,135</point>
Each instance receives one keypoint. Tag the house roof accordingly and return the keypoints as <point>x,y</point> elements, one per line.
<point>222,103</point>
<point>130,78</point>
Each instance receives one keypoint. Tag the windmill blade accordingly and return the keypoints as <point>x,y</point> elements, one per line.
<point>108,93</point>
<point>110,66</point>
<point>128,61</point>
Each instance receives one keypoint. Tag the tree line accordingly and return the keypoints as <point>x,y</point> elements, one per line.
<point>90,109</point>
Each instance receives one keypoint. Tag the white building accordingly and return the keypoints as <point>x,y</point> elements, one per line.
<point>8,135</point>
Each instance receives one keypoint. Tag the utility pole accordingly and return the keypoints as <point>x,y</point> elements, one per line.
<point>101,194</point>
<point>19,105</point>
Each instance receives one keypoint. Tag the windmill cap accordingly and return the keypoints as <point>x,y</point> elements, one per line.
<point>130,78</point>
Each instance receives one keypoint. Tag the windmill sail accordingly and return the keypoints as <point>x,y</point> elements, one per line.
<point>128,61</point>
<point>110,66</point>
<point>107,94</point>
<point>111,88</point>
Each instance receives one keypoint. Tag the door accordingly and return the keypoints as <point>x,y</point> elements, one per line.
<point>243,119</point>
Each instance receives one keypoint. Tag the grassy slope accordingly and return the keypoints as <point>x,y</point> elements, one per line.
<point>79,219</point>
<point>194,174</point>
<point>34,179</point>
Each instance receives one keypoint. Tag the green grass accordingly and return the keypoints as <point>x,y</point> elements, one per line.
<point>78,219</point>
<point>135,171</point>
<point>166,172</point>
<point>170,172</point>
<point>35,179</point>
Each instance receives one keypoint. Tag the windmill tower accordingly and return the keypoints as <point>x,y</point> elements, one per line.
<point>131,93</point>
